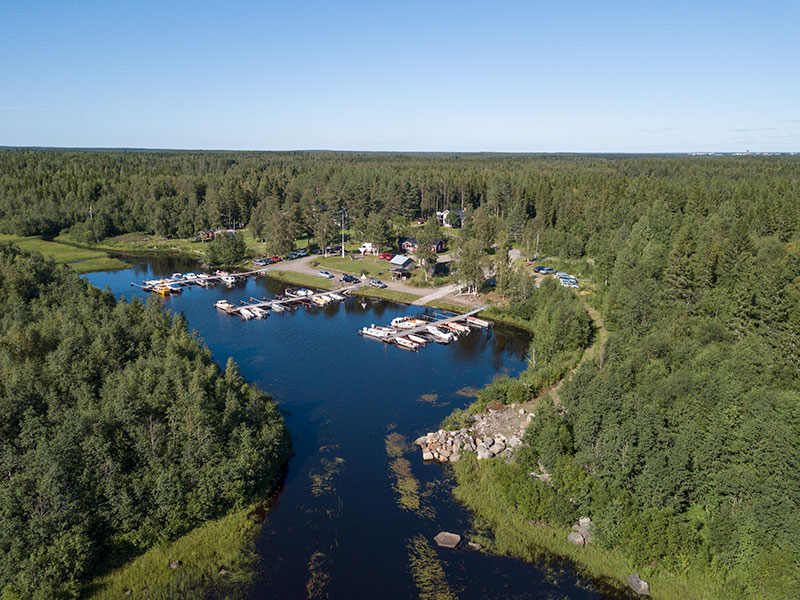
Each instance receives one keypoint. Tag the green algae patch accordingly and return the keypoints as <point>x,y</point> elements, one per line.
<point>318,576</point>
<point>322,478</point>
<point>427,571</point>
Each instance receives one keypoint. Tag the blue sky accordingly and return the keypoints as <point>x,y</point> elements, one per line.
<point>568,76</point>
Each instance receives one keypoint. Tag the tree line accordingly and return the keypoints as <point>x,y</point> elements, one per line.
<point>118,431</point>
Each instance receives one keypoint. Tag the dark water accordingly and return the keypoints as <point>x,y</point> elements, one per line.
<point>337,529</point>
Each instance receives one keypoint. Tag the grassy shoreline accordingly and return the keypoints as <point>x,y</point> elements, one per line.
<point>218,558</point>
<point>82,260</point>
<point>517,537</point>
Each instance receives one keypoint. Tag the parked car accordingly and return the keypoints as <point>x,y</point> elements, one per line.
<point>260,262</point>
<point>325,274</point>
<point>348,278</point>
<point>376,283</point>
<point>276,259</point>
<point>300,253</point>
<point>548,270</point>
<point>539,269</point>
<point>386,255</point>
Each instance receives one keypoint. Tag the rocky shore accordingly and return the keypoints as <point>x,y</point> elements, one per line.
<point>495,433</point>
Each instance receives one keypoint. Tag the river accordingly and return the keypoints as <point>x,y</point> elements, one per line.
<point>345,521</point>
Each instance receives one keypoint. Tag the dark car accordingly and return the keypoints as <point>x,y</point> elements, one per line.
<point>348,279</point>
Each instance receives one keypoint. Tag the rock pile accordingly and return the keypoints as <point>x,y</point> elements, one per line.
<point>582,532</point>
<point>447,446</point>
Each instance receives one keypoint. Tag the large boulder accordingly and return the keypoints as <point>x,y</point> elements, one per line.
<point>446,539</point>
<point>483,452</point>
<point>497,447</point>
<point>576,539</point>
<point>638,585</point>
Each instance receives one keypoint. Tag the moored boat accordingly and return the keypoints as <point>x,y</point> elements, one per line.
<point>258,312</point>
<point>378,333</point>
<point>406,343</point>
<point>228,279</point>
<point>478,322</point>
<point>417,338</point>
<point>224,305</point>
<point>278,308</point>
<point>245,314</point>
<point>441,336</point>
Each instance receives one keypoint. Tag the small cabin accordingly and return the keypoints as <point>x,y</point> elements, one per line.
<point>450,218</point>
<point>409,244</point>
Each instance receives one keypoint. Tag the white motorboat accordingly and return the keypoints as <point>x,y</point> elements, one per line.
<point>380,333</point>
<point>176,276</point>
<point>224,305</point>
<point>406,343</point>
<point>336,296</point>
<point>258,312</point>
<point>190,276</point>
<point>441,335</point>
<point>278,308</point>
<point>478,322</point>
<point>417,338</point>
<point>228,279</point>
<point>245,314</point>
<point>457,328</point>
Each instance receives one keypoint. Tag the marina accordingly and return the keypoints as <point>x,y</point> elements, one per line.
<point>343,396</point>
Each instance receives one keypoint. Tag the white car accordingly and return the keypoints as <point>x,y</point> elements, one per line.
<point>325,274</point>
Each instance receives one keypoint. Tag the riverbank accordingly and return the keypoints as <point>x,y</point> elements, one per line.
<point>480,487</point>
<point>217,559</point>
<point>498,490</point>
<point>81,260</point>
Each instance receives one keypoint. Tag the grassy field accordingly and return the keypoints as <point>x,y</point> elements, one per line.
<point>372,265</point>
<point>301,279</point>
<point>216,559</point>
<point>141,243</point>
<point>80,259</point>
<point>386,294</point>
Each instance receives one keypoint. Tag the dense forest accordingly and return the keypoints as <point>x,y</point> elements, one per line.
<point>118,430</point>
<point>681,438</point>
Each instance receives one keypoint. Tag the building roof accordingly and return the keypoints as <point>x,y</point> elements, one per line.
<point>401,260</point>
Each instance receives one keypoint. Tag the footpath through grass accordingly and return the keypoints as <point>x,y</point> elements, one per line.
<point>215,560</point>
<point>81,259</point>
